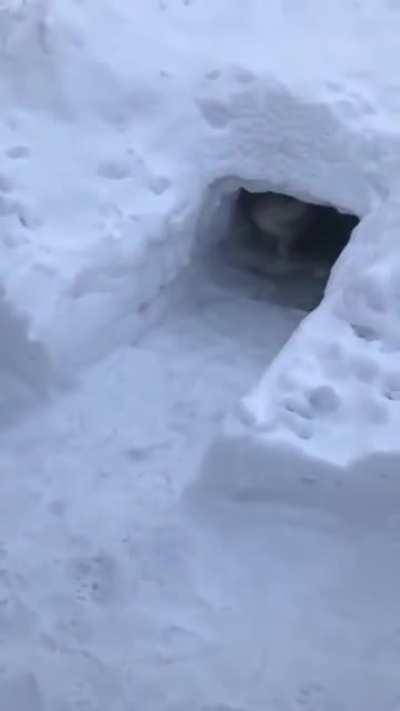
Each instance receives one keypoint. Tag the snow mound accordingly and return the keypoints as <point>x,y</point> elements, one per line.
<point>112,172</point>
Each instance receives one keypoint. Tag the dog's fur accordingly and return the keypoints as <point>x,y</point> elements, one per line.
<point>279,219</point>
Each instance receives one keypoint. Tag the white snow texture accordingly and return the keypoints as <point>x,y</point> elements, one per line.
<point>103,178</point>
<point>126,130</point>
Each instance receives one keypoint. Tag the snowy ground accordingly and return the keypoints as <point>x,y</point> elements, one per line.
<point>116,593</point>
<point>163,547</point>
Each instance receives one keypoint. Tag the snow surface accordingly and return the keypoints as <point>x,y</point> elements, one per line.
<point>167,541</point>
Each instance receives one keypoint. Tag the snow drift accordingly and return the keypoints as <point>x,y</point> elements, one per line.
<point>91,235</point>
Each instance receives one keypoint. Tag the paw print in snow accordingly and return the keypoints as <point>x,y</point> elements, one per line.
<point>310,697</point>
<point>17,152</point>
<point>96,578</point>
<point>114,170</point>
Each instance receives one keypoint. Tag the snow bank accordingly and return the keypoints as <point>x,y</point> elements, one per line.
<point>326,415</point>
<point>321,427</point>
<point>126,131</point>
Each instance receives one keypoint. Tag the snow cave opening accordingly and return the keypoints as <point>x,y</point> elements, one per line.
<point>287,245</point>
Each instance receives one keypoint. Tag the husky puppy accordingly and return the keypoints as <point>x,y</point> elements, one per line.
<point>280,220</point>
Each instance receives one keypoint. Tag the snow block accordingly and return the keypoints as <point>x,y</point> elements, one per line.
<point>321,427</point>
<point>249,469</point>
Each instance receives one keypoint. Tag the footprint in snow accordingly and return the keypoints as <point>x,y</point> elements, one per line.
<point>17,152</point>
<point>214,112</point>
<point>114,170</point>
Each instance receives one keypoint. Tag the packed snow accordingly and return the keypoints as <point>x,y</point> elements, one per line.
<point>198,441</point>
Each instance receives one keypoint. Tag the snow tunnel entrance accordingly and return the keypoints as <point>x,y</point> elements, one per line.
<point>286,243</point>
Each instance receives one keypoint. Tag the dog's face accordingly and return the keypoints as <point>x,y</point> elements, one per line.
<point>277,214</point>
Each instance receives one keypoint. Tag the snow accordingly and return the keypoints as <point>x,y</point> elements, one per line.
<point>334,388</point>
<point>198,479</point>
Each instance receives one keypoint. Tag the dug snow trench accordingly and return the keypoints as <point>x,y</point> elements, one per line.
<point>118,593</point>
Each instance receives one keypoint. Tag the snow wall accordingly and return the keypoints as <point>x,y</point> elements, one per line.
<point>113,169</point>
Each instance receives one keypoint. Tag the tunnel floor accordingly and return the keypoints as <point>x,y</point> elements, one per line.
<point>294,285</point>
